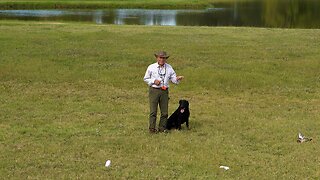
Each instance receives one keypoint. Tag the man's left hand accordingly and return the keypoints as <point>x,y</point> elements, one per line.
<point>179,78</point>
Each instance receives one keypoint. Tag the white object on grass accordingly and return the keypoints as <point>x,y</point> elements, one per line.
<point>108,163</point>
<point>224,167</point>
<point>302,138</point>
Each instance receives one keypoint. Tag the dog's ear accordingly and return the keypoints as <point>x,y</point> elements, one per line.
<point>180,101</point>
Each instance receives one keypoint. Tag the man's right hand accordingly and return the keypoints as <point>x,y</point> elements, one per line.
<point>157,82</point>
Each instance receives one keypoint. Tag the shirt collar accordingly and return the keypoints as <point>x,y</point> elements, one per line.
<point>158,66</point>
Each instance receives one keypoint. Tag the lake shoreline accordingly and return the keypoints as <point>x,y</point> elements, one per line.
<point>101,5</point>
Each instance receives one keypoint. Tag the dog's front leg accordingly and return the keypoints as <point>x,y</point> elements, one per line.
<point>187,123</point>
<point>178,124</point>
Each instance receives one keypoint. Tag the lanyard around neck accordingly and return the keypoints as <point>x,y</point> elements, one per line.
<point>160,69</point>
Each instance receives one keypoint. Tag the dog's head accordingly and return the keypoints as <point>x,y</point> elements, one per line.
<point>183,105</point>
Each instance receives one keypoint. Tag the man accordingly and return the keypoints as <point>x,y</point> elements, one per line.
<point>157,77</point>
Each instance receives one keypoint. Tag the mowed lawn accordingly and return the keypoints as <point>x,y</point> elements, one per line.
<point>72,96</point>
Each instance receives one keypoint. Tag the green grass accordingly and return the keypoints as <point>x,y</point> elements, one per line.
<point>72,96</point>
<point>87,4</point>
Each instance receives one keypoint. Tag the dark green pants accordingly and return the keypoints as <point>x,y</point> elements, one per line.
<point>158,97</point>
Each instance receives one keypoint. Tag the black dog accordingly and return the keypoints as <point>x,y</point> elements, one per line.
<point>180,116</point>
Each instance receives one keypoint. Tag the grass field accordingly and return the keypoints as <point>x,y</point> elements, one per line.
<point>72,96</point>
<point>88,4</point>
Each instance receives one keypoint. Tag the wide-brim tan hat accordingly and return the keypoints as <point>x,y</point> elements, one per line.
<point>161,54</point>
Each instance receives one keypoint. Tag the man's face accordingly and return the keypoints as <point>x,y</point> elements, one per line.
<point>161,60</point>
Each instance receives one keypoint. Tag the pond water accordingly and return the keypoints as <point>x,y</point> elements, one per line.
<point>259,13</point>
